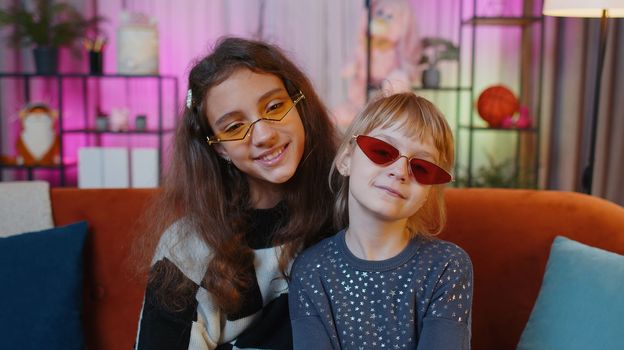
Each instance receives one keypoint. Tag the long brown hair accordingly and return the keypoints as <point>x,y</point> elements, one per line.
<point>213,197</point>
<point>416,116</point>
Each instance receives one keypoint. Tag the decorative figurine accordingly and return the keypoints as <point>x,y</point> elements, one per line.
<point>38,142</point>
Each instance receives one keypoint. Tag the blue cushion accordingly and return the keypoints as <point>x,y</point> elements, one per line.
<point>581,301</point>
<point>41,289</point>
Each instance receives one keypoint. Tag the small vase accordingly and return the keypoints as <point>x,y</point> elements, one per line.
<point>46,60</point>
<point>431,78</point>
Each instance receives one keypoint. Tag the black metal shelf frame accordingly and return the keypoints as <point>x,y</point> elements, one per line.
<point>159,132</point>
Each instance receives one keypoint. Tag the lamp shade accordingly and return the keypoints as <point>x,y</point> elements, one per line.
<point>583,8</point>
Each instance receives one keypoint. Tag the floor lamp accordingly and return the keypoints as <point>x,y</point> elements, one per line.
<point>602,9</point>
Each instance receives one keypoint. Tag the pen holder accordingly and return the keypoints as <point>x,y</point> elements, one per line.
<point>96,62</point>
<point>101,123</point>
<point>140,123</point>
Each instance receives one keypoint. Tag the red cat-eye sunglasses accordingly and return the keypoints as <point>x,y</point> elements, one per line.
<point>383,153</point>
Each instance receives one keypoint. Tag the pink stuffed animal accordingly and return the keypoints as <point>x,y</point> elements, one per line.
<point>395,50</point>
<point>523,121</point>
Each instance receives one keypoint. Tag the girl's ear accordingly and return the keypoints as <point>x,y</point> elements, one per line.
<point>343,161</point>
<point>221,151</point>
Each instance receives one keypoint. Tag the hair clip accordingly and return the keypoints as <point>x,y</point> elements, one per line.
<point>189,99</point>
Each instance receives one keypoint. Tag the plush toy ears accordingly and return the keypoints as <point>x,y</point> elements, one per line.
<point>37,107</point>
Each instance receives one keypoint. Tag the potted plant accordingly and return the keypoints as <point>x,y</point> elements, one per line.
<point>434,51</point>
<point>48,26</point>
<point>498,174</point>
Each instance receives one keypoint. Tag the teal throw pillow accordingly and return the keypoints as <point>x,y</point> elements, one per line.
<point>41,289</point>
<point>581,301</point>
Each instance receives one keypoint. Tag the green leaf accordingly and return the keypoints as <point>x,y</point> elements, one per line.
<point>438,49</point>
<point>49,24</point>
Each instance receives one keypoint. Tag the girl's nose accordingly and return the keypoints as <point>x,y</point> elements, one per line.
<point>399,169</point>
<point>263,133</point>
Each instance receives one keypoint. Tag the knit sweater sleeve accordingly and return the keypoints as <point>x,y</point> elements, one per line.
<point>185,328</point>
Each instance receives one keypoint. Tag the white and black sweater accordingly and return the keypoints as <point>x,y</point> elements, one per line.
<point>262,322</point>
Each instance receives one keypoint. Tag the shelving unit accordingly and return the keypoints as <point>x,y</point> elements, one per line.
<point>470,130</point>
<point>526,140</point>
<point>165,120</point>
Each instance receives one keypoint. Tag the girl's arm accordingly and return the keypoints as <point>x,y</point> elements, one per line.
<point>446,324</point>
<point>166,329</point>
<point>308,329</point>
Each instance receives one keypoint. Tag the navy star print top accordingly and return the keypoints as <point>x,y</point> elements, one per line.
<point>419,299</point>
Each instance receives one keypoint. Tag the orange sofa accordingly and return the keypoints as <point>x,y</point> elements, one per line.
<point>507,233</point>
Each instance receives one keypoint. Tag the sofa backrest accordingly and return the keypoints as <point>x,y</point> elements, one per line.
<point>507,233</point>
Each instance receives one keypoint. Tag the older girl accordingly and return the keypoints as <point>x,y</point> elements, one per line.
<point>244,194</point>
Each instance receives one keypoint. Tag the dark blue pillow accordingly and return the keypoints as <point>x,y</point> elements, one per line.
<point>41,289</point>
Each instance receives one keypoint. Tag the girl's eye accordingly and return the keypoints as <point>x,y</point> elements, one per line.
<point>273,108</point>
<point>233,127</point>
<point>382,153</point>
<point>419,169</point>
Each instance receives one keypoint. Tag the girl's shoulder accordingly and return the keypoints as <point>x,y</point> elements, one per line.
<point>444,252</point>
<point>181,245</point>
<point>316,253</point>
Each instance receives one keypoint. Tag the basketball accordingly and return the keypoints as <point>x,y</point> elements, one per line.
<point>495,104</point>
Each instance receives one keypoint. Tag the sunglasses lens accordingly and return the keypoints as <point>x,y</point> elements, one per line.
<point>427,173</point>
<point>376,150</point>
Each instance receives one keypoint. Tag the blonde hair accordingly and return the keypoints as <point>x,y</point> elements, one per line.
<point>416,116</point>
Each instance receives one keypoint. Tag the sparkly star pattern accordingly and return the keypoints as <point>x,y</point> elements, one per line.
<point>382,304</point>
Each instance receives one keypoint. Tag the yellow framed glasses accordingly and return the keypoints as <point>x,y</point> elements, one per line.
<point>239,130</point>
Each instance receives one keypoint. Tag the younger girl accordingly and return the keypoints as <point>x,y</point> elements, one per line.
<point>245,192</point>
<point>384,281</point>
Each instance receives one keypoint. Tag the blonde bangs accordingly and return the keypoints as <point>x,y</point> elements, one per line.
<point>424,121</point>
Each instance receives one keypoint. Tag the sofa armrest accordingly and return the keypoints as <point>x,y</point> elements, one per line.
<point>112,292</point>
<point>508,235</point>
